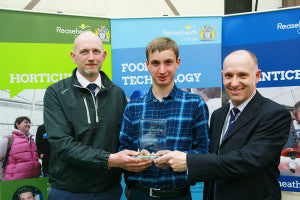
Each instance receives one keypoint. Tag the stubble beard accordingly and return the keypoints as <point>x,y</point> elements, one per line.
<point>89,73</point>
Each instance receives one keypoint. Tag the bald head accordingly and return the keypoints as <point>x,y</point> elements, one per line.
<point>84,37</point>
<point>241,55</point>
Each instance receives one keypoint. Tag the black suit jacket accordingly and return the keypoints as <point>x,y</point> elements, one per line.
<point>245,166</point>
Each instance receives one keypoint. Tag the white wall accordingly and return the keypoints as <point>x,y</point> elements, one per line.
<point>267,4</point>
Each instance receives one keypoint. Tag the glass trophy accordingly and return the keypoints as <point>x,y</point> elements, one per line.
<point>152,136</point>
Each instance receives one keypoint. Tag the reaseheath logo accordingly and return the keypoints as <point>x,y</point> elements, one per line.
<point>187,33</point>
<point>78,30</point>
<point>282,26</point>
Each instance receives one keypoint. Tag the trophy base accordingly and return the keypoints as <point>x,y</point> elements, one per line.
<point>146,157</point>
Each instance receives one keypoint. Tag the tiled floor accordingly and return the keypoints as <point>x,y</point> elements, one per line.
<point>290,195</point>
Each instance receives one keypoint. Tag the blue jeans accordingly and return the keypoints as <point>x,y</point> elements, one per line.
<point>111,194</point>
<point>135,194</point>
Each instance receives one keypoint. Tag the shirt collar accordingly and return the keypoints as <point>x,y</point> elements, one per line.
<point>150,96</point>
<point>28,134</point>
<point>84,82</point>
<point>242,106</point>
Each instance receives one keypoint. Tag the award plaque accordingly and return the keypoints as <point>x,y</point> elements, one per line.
<point>152,136</point>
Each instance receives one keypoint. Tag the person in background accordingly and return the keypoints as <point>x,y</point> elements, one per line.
<point>297,117</point>
<point>186,117</point>
<point>22,161</point>
<point>43,148</point>
<point>290,160</point>
<point>82,116</point>
<point>247,135</point>
<point>290,155</point>
<point>26,194</point>
<point>293,136</point>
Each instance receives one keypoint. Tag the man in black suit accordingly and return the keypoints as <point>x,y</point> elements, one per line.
<point>244,152</point>
<point>43,148</point>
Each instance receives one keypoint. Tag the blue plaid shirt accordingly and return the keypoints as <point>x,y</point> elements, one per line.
<point>187,130</point>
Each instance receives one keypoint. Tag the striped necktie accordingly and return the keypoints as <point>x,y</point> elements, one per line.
<point>233,113</point>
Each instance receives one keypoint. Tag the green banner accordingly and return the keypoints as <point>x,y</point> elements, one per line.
<point>30,27</point>
<point>11,189</point>
<point>36,47</point>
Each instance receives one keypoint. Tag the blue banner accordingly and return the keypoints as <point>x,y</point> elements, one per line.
<point>134,33</point>
<point>274,37</point>
<point>199,41</point>
<point>289,183</point>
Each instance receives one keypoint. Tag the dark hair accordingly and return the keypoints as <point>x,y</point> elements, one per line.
<point>24,190</point>
<point>19,120</point>
<point>161,44</point>
<point>296,107</point>
<point>27,188</point>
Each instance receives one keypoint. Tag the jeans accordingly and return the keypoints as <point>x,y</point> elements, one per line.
<point>111,194</point>
<point>135,194</point>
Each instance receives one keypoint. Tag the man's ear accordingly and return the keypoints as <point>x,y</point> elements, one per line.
<point>147,64</point>
<point>73,56</point>
<point>104,54</point>
<point>257,76</point>
<point>178,63</point>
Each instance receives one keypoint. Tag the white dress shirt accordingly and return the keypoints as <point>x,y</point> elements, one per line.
<point>84,82</point>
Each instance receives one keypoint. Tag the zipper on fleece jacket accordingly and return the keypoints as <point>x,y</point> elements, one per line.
<point>96,108</point>
<point>88,112</point>
<point>86,105</point>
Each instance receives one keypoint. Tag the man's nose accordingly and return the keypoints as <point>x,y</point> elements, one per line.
<point>162,68</point>
<point>235,81</point>
<point>91,56</point>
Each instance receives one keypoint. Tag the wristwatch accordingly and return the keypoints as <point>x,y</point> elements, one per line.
<point>293,164</point>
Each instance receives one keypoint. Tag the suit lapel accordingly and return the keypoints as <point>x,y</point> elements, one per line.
<point>246,116</point>
<point>218,126</point>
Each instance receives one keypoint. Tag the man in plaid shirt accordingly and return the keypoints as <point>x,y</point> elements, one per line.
<point>186,117</point>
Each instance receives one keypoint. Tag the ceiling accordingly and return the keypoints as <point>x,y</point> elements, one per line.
<point>131,8</point>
